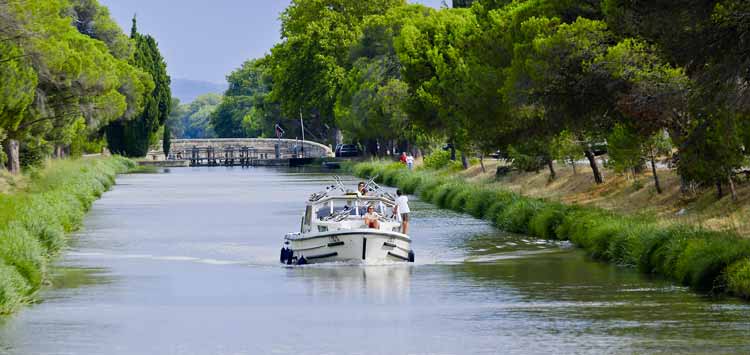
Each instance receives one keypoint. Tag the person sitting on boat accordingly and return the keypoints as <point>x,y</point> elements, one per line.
<point>402,208</point>
<point>372,218</point>
<point>361,188</point>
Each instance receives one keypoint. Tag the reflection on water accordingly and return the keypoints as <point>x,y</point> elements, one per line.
<point>187,263</point>
<point>378,283</point>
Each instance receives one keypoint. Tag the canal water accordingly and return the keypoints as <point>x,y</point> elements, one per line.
<point>186,263</point>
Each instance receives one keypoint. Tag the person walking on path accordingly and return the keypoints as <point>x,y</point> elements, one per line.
<point>402,208</point>
<point>410,161</point>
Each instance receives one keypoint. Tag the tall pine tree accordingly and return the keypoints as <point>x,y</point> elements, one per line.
<point>133,137</point>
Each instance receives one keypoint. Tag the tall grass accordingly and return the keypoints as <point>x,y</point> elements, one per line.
<point>716,262</point>
<point>34,222</point>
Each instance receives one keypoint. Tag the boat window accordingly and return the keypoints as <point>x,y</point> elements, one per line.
<point>308,216</point>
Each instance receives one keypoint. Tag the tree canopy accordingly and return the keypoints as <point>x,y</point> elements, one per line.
<point>66,73</point>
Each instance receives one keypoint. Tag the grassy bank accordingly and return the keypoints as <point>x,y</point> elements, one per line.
<point>36,214</point>
<point>708,261</point>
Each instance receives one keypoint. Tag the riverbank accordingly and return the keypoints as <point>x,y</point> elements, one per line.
<point>708,261</point>
<point>626,195</point>
<point>37,211</point>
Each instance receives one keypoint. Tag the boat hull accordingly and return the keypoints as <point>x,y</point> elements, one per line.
<point>357,245</point>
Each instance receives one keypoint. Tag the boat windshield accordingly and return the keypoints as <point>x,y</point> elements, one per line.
<point>355,207</point>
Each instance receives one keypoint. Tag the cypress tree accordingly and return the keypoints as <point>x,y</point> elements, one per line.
<point>166,142</point>
<point>132,137</point>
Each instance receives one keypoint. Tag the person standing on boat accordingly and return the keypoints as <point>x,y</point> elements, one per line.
<point>361,188</point>
<point>402,208</point>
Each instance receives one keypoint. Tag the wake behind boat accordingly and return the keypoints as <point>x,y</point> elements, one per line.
<point>336,226</point>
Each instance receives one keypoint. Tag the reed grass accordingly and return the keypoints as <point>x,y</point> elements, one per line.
<point>35,220</point>
<point>708,261</point>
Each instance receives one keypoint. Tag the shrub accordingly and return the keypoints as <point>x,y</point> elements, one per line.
<point>409,183</point>
<point>460,197</point>
<point>516,217</point>
<point>738,278</point>
<point>429,187</point>
<point>544,224</point>
<point>703,260</point>
<point>499,202</point>
<point>13,288</point>
<point>22,251</point>
<point>437,160</point>
<point>33,223</point>
<point>706,256</point>
<point>441,194</point>
<point>478,202</point>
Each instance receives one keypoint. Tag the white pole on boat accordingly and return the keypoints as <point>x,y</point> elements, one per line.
<point>302,125</point>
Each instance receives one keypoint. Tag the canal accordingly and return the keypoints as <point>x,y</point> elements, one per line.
<point>186,262</point>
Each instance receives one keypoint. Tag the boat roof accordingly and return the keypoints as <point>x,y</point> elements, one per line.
<point>352,196</point>
<point>339,192</point>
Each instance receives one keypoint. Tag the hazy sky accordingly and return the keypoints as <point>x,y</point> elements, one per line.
<point>205,40</point>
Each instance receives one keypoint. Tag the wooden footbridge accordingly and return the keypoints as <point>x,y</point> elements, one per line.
<point>240,151</point>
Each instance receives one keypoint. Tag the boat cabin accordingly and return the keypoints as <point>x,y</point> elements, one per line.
<point>347,212</point>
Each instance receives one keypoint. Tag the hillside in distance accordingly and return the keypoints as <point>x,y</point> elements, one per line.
<point>187,90</point>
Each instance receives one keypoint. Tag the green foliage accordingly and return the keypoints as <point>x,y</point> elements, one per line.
<point>166,141</point>
<point>33,223</point>
<point>192,120</point>
<point>66,64</point>
<point>310,64</point>
<point>247,108</point>
<point>704,260</point>
<point>437,160</point>
<point>566,147</point>
<point>525,157</point>
<point>738,278</point>
<point>545,222</point>
<point>516,216</point>
<point>134,136</point>
<point>624,147</point>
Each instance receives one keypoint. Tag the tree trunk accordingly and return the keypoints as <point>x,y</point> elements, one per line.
<point>453,152</point>
<point>11,150</point>
<point>464,160</point>
<point>481,163</point>
<point>719,191</point>
<point>731,188</point>
<point>594,167</point>
<point>59,151</point>
<point>338,136</point>
<point>656,177</point>
<point>573,163</point>
<point>551,166</point>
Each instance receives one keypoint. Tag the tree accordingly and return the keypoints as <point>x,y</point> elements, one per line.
<point>76,77</point>
<point>132,137</point>
<point>565,147</point>
<point>624,146</point>
<point>192,120</point>
<point>311,62</point>
<point>370,105</point>
<point>653,147</point>
<point>166,141</point>
<point>716,62</point>
<point>19,81</point>
<point>248,108</point>
<point>435,70</point>
<point>573,96</point>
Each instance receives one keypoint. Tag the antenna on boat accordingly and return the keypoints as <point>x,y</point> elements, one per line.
<point>339,183</point>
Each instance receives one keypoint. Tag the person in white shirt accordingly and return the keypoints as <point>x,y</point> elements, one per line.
<point>402,208</point>
<point>410,161</point>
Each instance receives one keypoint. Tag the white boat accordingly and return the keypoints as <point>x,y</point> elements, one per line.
<point>333,230</point>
